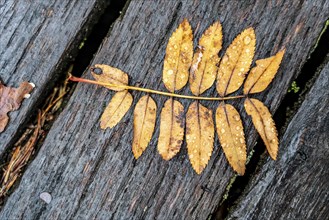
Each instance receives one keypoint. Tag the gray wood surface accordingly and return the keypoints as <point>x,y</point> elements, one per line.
<point>37,39</point>
<point>91,173</point>
<point>296,186</point>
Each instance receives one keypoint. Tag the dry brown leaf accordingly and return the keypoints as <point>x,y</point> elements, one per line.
<point>144,123</point>
<point>231,136</point>
<point>172,124</point>
<point>107,74</point>
<point>263,73</point>
<point>10,100</point>
<point>178,58</point>
<point>199,135</point>
<point>205,61</point>
<point>116,109</point>
<point>264,124</point>
<point>236,62</point>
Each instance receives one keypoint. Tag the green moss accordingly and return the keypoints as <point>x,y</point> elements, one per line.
<point>82,43</point>
<point>250,155</point>
<point>294,88</point>
<point>228,187</point>
<point>326,25</point>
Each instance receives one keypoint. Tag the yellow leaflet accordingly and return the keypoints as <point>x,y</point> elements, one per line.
<point>236,62</point>
<point>264,124</point>
<point>116,109</point>
<point>171,129</point>
<point>204,65</point>
<point>144,122</point>
<point>178,57</point>
<point>263,73</point>
<point>199,135</point>
<point>107,74</point>
<point>231,136</point>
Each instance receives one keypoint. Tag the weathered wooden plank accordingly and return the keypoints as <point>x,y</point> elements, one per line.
<point>36,38</point>
<point>296,186</point>
<point>92,174</point>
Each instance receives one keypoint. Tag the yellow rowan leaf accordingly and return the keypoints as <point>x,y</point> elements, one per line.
<point>199,135</point>
<point>231,136</point>
<point>116,109</point>
<point>144,122</point>
<point>107,74</point>
<point>178,57</point>
<point>205,61</point>
<point>171,129</point>
<point>200,69</point>
<point>236,62</point>
<point>264,124</point>
<point>263,73</point>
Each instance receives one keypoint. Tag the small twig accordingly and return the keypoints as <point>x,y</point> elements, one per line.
<point>53,103</point>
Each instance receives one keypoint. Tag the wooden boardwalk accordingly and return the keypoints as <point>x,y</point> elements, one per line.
<point>92,174</point>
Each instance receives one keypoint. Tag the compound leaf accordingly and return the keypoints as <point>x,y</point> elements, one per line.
<point>199,135</point>
<point>200,69</point>
<point>236,62</point>
<point>264,124</point>
<point>205,61</point>
<point>116,109</point>
<point>263,73</point>
<point>144,122</point>
<point>231,136</point>
<point>172,124</point>
<point>178,57</point>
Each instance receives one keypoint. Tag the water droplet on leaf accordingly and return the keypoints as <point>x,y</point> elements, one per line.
<point>246,40</point>
<point>236,117</point>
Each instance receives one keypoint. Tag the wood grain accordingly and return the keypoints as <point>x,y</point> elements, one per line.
<point>93,174</point>
<point>37,39</point>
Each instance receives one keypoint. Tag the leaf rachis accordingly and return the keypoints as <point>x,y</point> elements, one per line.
<point>77,79</point>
